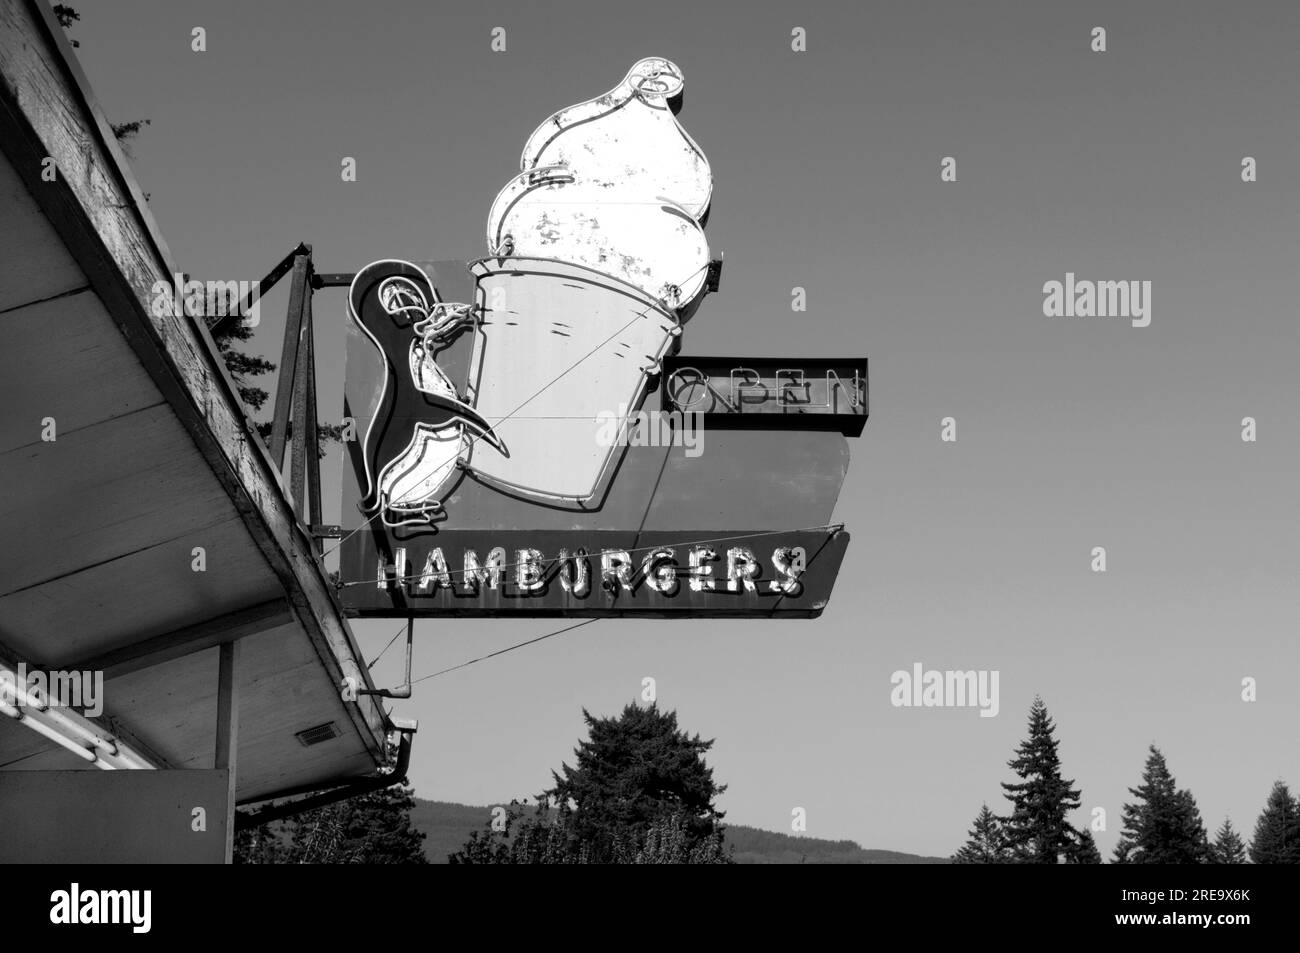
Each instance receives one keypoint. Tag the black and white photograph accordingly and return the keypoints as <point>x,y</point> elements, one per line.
<point>713,433</point>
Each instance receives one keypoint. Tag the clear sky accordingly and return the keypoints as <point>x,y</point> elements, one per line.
<point>1072,432</point>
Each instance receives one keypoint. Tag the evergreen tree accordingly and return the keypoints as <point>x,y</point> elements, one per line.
<point>66,16</point>
<point>1085,848</point>
<point>228,333</point>
<point>667,841</point>
<point>635,769</point>
<point>639,792</point>
<point>1277,832</point>
<point>1163,826</point>
<point>525,837</point>
<point>372,828</point>
<point>263,844</point>
<point>545,836</point>
<point>376,828</point>
<point>228,336</point>
<point>985,843</point>
<point>1228,847</point>
<point>318,838</point>
<point>1037,831</point>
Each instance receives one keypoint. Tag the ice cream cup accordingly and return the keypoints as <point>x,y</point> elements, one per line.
<point>559,348</point>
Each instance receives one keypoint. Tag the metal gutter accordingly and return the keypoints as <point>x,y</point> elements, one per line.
<point>275,812</point>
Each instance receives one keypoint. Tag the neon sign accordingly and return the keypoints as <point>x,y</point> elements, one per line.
<point>598,256</point>
<point>506,464</point>
<point>830,393</point>
<point>604,572</point>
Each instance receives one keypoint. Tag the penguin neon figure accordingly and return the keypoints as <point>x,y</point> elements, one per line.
<point>421,426</point>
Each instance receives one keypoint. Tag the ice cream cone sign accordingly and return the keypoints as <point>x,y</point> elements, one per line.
<point>629,139</point>
<point>597,256</point>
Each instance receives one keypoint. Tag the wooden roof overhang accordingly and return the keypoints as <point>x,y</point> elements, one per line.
<point>154,456</point>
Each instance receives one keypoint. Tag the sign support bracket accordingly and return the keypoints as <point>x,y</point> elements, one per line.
<point>403,690</point>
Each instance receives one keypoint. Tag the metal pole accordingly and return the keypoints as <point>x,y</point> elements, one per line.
<point>293,327</point>
<point>263,286</point>
<point>304,427</point>
<point>311,438</point>
<point>227,740</point>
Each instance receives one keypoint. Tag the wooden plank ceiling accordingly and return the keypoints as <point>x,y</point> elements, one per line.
<point>151,460</point>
